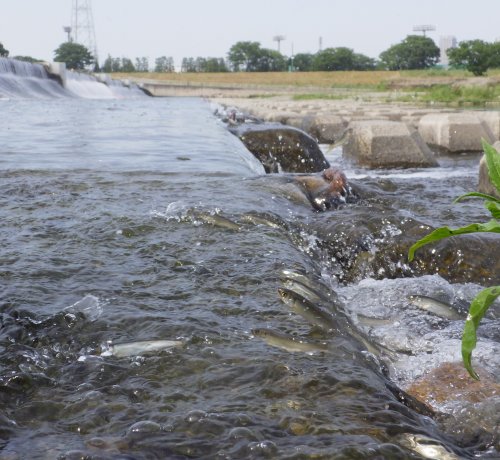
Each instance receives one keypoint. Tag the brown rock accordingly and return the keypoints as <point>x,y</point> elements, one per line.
<point>451,382</point>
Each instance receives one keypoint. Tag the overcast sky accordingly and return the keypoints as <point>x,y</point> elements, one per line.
<point>208,28</point>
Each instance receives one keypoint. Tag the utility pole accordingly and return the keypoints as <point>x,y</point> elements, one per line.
<point>279,39</point>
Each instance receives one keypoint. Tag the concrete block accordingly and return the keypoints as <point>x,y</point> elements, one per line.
<point>492,120</point>
<point>454,132</point>
<point>328,129</point>
<point>387,144</point>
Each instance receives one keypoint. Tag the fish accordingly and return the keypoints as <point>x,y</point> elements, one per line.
<point>313,285</point>
<point>217,221</point>
<point>434,306</point>
<point>370,321</point>
<point>312,313</point>
<point>309,292</point>
<point>288,342</point>
<point>125,349</point>
<point>263,219</point>
<point>319,317</point>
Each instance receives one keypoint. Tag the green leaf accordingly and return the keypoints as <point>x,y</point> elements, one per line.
<point>445,232</point>
<point>493,163</point>
<point>494,208</point>
<point>478,308</point>
<point>477,194</point>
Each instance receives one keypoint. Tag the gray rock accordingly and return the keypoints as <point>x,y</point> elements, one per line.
<point>485,185</point>
<point>454,132</point>
<point>387,144</point>
<point>282,148</point>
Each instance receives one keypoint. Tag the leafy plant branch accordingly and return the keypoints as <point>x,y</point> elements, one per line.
<point>486,297</point>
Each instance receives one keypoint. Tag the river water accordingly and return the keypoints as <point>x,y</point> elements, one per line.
<point>110,234</point>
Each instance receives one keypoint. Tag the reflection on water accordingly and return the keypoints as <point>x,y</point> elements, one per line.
<point>117,226</point>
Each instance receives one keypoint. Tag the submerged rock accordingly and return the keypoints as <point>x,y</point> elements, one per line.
<point>282,149</point>
<point>450,382</point>
<point>374,243</point>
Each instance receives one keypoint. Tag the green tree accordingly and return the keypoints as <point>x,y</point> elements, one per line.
<point>341,58</point>
<point>164,64</point>
<point>270,61</point>
<point>303,62</point>
<point>74,55</point>
<point>362,62</point>
<point>474,55</point>
<point>3,51</point>
<point>142,64</point>
<point>29,59</point>
<point>108,64</point>
<point>244,56</point>
<point>495,55</point>
<point>414,52</point>
<point>127,65</point>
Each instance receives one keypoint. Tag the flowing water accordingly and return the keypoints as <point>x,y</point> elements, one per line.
<point>126,221</point>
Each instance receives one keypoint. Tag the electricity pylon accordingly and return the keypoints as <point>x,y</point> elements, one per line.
<point>82,25</point>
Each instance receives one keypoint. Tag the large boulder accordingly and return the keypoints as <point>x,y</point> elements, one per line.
<point>454,132</point>
<point>485,185</point>
<point>281,148</point>
<point>387,144</point>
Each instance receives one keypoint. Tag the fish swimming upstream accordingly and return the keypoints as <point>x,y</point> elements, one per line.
<point>121,350</point>
<point>288,342</point>
<point>435,306</point>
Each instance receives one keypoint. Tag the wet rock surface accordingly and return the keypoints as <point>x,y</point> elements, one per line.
<point>282,149</point>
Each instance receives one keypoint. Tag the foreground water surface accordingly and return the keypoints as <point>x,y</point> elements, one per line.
<point>110,234</point>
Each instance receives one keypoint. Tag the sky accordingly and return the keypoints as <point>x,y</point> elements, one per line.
<point>208,28</point>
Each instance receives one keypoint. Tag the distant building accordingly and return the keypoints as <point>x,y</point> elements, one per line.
<point>445,43</point>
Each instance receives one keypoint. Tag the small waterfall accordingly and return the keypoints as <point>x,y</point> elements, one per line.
<point>20,79</point>
<point>87,86</point>
<point>121,89</point>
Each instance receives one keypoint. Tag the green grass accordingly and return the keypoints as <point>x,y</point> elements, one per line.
<point>462,95</point>
<point>314,96</point>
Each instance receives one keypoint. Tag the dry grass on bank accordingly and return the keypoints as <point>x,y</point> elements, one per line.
<point>367,79</point>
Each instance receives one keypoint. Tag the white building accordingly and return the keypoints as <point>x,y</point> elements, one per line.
<point>445,43</point>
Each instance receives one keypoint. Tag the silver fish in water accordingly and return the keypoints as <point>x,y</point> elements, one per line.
<point>288,342</point>
<point>121,350</point>
<point>217,221</point>
<point>435,306</point>
<point>309,311</point>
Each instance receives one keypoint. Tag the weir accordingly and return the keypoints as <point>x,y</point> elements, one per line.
<point>19,79</point>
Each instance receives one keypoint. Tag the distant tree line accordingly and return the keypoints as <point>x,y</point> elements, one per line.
<point>201,64</point>
<point>414,52</point>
